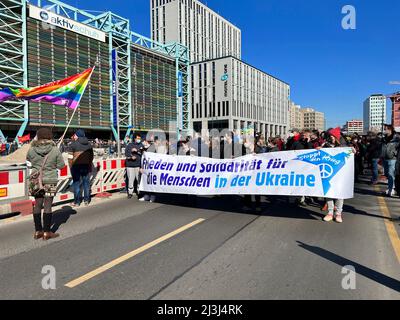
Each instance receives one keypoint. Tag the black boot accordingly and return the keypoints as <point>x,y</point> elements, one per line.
<point>37,219</point>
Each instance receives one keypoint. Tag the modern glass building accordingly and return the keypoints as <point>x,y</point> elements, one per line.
<point>138,83</point>
<point>153,89</point>
<point>54,54</point>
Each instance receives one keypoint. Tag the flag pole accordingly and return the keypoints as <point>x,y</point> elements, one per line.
<point>73,114</point>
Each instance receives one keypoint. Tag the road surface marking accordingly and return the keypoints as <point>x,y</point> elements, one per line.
<point>390,226</point>
<point>130,255</point>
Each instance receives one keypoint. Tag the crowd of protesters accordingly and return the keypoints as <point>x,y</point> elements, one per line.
<point>372,151</point>
<point>7,148</point>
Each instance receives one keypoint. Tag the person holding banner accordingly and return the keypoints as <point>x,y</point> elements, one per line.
<point>257,148</point>
<point>303,143</point>
<point>335,140</point>
<point>133,153</point>
<point>158,146</point>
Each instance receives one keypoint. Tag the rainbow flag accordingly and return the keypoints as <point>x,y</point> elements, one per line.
<point>66,92</point>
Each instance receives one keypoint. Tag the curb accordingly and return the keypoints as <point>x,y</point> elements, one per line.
<point>24,207</point>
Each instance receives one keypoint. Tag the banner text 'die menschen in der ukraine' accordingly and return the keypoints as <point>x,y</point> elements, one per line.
<point>327,173</point>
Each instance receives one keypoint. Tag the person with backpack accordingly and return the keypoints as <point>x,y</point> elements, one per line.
<point>44,158</point>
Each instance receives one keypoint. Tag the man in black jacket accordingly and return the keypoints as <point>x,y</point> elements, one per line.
<point>133,153</point>
<point>80,160</point>
<point>374,153</point>
<point>304,142</point>
<point>397,178</point>
<point>390,148</point>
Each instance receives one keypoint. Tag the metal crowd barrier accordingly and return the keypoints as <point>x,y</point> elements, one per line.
<point>13,183</point>
<point>107,175</point>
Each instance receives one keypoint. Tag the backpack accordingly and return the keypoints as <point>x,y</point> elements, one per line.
<point>391,150</point>
<point>36,188</point>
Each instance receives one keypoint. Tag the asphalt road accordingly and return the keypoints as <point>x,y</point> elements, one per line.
<point>284,252</point>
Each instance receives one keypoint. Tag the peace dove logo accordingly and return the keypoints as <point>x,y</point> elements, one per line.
<point>328,165</point>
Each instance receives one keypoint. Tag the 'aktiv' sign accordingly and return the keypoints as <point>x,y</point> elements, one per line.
<point>65,23</point>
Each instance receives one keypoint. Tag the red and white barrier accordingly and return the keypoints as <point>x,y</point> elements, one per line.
<point>107,175</point>
<point>13,190</point>
<point>13,184</point>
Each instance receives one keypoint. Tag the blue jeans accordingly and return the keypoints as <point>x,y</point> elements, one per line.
<point>81,175</point>
<point>375,172</point>
<point>390,169</point>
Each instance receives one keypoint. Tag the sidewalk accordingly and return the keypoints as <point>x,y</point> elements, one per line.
<point>16,234</point>
<point>25,217</point>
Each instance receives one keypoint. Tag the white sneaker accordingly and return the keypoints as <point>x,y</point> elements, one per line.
<point>328,217</point>
<point>339,218</point>
<point>142,200</point>
<point>390,194</point>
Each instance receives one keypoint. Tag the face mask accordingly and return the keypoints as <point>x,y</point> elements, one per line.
<point>138,141</point>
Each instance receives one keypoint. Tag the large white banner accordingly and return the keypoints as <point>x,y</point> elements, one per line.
<point>327,173</point>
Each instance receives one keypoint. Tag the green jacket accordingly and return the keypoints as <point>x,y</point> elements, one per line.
<point>39,149</point>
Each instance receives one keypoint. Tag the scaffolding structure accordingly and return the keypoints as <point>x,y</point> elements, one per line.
<point>13,58</point>
<point>13,51</point>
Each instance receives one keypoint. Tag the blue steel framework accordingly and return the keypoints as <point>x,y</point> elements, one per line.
<point>14,72</point>
<point>13,59</point>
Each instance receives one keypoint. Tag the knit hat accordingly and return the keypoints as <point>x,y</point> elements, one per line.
<point>80,133</point>
<point>44,134</point>
<point>336,133</point>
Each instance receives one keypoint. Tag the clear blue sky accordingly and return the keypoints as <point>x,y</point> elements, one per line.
<point>302,42</point>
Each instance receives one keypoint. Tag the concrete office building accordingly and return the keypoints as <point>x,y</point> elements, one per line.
<point>354,126</point>
<point>313,120</point>
<point>193,24</point>
<point>374,113</point>
<point>296,117</point>
<point>230,94</point>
